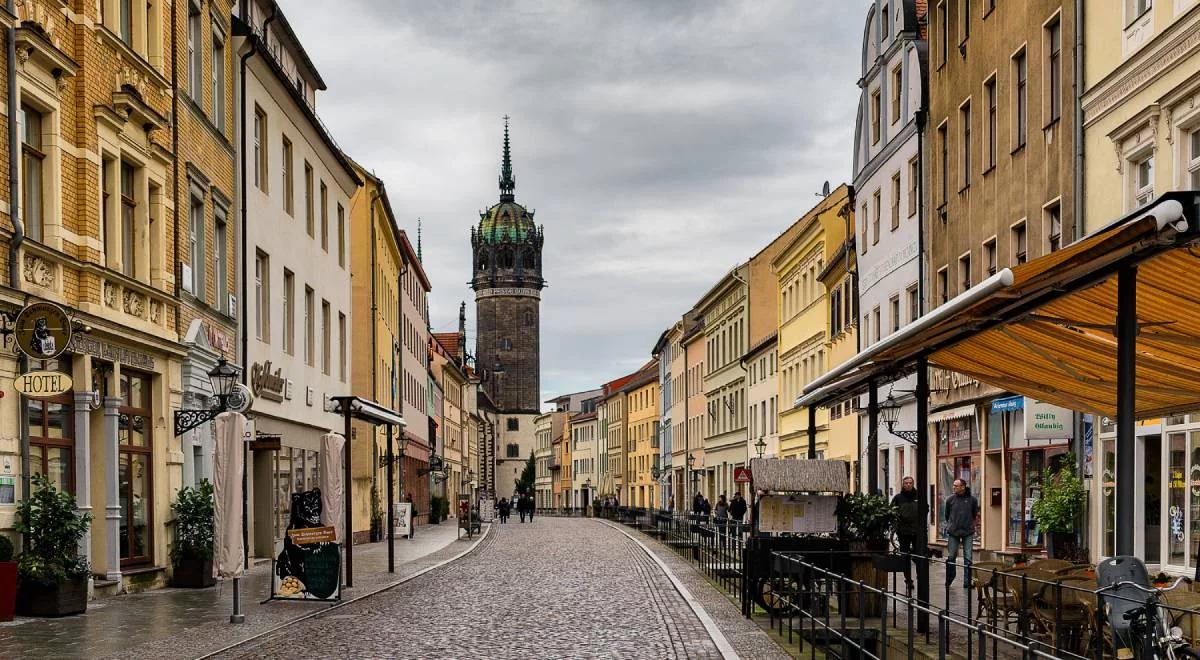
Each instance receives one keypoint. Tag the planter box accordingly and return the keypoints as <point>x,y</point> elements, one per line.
<point>63,599</point>
<point>193,574</point>
<point>8,590</point>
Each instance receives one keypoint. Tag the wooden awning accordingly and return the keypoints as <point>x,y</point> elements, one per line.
<point>1046,329</point>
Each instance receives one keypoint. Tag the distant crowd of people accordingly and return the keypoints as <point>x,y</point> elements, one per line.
<point>521,502</point>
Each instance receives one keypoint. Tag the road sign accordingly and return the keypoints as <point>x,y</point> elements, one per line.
<point>43,330</point>
<point>741,475</point>
<point>42,384</point>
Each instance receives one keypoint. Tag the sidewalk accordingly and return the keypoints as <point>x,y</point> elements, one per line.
<point>186,623</point>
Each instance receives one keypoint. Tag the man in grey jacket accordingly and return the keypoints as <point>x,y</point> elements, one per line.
<point>960,512</point>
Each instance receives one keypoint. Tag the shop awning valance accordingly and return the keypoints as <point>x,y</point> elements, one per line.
<point>1046,328</point>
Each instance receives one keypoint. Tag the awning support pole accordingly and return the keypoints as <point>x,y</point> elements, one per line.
<point>1127,331</point>
<point>812,432</point>
<point>348,489</point>
<point>391,495</point>
<point>923,490</point>
<point>872,438</point>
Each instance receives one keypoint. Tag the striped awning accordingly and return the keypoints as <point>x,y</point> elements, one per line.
<point>1047,328</point>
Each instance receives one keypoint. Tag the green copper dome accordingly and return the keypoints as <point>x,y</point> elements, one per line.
<point>506,221</point>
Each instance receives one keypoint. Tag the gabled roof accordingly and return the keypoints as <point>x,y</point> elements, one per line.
<point>448,341</point>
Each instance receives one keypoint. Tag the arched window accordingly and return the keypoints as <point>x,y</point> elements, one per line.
<point>529,319</point>
<point>506,259</point>
<point>527,260</point>
<point>483,261</point>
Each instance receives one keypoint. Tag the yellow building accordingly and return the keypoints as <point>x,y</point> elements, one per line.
<point>641,437</point>
<point>448,369</point>
<point>1141,122</point>
<point>842,332</point>
<point>803,312</point>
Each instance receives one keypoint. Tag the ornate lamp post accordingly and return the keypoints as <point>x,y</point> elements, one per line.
<point>224,380</point>
<point>760,447</point>
<point>889,414</point>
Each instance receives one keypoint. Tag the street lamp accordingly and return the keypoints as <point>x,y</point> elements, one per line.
<point>760,447</point>
<point>224,381</point>
<point>889,414</point>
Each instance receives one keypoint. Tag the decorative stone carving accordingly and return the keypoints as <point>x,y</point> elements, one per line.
<point>110,295</point>
<point>155,312</point>
<point>39,271</point>
<point>134,305</point>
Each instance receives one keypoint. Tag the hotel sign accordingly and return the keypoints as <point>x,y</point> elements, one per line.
<point>266,383</point>
<point>42,384</point>
<point>85,345</point>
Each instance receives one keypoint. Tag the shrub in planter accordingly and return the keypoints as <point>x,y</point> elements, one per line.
<point>1059,507</point>
<point>865,520</point>
<point>192,553</point>
<point>8,580</point>
<point>52,577</point>
<point>435,510</point>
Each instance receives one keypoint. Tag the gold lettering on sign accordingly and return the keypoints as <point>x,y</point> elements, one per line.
<point>265,383</point>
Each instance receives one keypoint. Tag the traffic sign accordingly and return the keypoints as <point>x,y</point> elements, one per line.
<point>43,330</point>
<point>742,475</point>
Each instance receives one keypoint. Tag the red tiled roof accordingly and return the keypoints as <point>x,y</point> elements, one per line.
<point>448,340</point>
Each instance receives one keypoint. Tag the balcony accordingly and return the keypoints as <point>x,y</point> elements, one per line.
<point>555,466</point>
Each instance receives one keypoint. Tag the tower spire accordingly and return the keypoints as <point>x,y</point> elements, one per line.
<point>419,239</point>
<point>507,182</point>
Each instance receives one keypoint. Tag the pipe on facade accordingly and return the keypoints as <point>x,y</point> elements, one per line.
<point>177,270</point>
<point>18,237</point>
<point>1077,202</point>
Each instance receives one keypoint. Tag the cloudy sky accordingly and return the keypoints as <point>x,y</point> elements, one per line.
<point>661,143</point>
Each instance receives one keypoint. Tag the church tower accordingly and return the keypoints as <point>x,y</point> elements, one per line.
<point>507,279</point>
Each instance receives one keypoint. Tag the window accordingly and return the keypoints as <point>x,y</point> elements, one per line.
<point>1019,243</point>
<point>217,76</point>
<point>342,341</point>
<point>1020,99</point>
<point>32,173</point>
<point>964,272</point>
<point>875,218</point>
<point>964,20</point>
<point>195,52</point>
<point>943,284</point>
<point>262,296</point>
<point>943,27</point>
<point>135,444</point>
<point>1193,164</point>
<point>341,235</point>
<point>894,308</point>
<point>989,255</point>
<point>875,117</point>
<point>106,193</point>
<point>989,92</point>
<point>289,312</point>
<point>964,112</point>
<point>944,158</point>
<point>260,149</point>
<point>914,171</point>
<point>885,24</point>
<point>326,338</point>
<point>1135,8</point>
<point>309,216</point>
<point>51,434</point>
<point>289,203</point>
<point>513,424</point>
<point>324,217</point>
<point>1054,69</point>
<point>126,22</point>
<point>128,222</point>
<point>196,245</point>
<point>1053,227</point>
<point>221,264</point>
<point>1143,180</point>
<point>863,217</point>
<point>914,303</point>
<point>895,201</point>
<point>876,326</point>
<point>310,313</point>
<point>897,86</point>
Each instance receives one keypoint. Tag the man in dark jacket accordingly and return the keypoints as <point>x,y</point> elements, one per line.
<point>959,518</point>
<point>908,523</point>
<point>737,508</point>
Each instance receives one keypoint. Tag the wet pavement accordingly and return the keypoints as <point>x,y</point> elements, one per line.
<point>186,623</point>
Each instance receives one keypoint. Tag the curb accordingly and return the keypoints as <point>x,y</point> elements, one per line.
<point>344,603</point>
<point>710,626</point>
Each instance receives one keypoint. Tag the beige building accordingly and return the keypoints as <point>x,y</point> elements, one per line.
<point>447,369</point>
<point>695,408</point>
<point>725,309</point>
<point>642,437</point>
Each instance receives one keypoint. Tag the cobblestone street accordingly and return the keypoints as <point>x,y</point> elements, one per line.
<point>555,588</point>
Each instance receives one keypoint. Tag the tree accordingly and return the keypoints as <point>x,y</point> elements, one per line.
<point>525,483</point>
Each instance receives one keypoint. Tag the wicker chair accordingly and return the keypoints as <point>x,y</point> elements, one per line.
<point>987,576</point>
<point>1022,594</point>
<point>1061,615</point>
<point>1051,565</point>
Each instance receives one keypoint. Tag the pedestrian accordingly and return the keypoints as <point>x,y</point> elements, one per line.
<point>706,508</point>
<point>671,504</point>
<point>698,504</point>
<point>502,508</point>
<point>521,507</point>
<point>412,523</point>
<point>529,507</point>
<point>960,512</point>
<point>737,508</point>
<point>909,519</point>
<point>721,516</point>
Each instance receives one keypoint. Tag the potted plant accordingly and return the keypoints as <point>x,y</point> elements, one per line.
<point>435,510</point>
<point>865,520</point>
<point>52,577</point>
<point>1059,507</point>
<point>8,580</point>
<point>192,553</point>
<point>376,516</point>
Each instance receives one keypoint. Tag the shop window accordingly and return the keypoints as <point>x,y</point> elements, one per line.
<point>1026,471</point>
<point>1177,496</point>
<point>1108,490</point>
<point>135,444</point>
<point>958,450</point>
<point>51,435</point>
<point>995,429</point>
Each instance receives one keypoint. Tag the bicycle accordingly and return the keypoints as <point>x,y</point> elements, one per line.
<point>1142,631</point>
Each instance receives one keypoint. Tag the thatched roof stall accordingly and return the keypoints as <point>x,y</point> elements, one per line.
<point>801,476</point>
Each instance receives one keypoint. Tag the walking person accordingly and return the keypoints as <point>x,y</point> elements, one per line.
<point>909,519</point>
<point>529,507</point>
<point>960,512</point>
<point>521,507</point>
<point>737,508</point>
<point>502,507</point>
<point>412,516</point>
<point>721,517</point>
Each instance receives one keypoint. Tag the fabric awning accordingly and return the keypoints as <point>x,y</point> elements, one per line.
<point>952,413</point>
<point>1047,329</point>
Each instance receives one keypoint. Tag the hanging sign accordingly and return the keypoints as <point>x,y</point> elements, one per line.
<point>42,384</point>
<point>1044,421</point>
<point>43,330</point>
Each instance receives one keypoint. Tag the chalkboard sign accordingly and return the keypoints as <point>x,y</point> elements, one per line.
<point>311,571</point>
<point>323,568</point>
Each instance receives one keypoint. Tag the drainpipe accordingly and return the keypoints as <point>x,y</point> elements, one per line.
<point>177,269</point>
<point>1078,217</point>
<point>375,365</point>
<point>18,237</point>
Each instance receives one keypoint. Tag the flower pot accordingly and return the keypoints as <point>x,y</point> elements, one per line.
<point>193,574</point>
<point>1060,545</point>
<point>8,589</point>
<point>62,599</point>
<point>863,569</point>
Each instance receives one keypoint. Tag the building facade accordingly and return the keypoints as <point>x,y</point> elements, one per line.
<point>724,308</point>
<point>669,352</point>
<point>642,437</point>
<point>695,403</point>
<point>448,371</point>
<point>583,459</point>
<point>838,277</point>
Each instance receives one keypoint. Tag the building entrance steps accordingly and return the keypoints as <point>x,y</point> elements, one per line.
<point>187,623</point>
